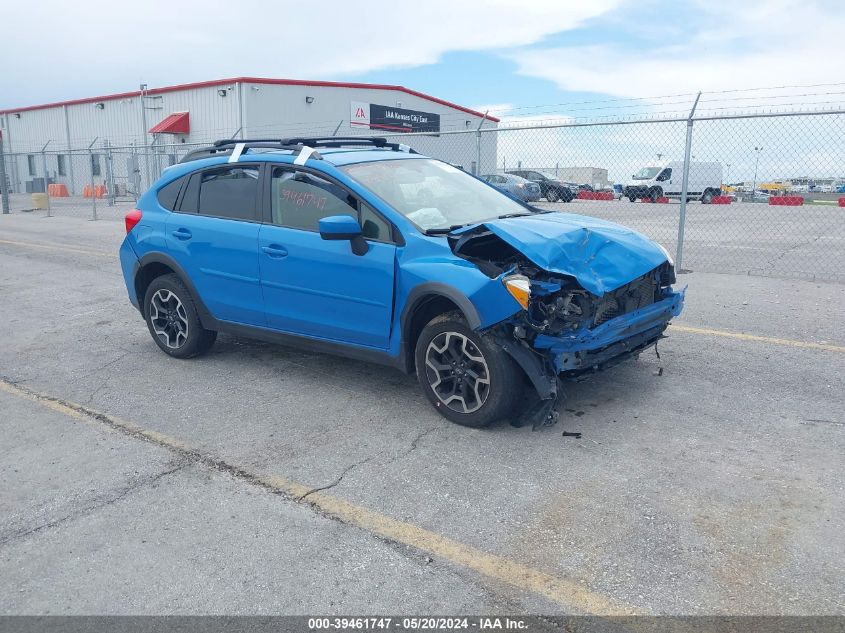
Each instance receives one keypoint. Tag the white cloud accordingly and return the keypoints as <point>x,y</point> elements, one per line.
<point>737,46</point>
<point>99,45</point>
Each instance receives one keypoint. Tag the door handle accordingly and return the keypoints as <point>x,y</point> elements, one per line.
<point>182,234</point>
<point>275,251</point>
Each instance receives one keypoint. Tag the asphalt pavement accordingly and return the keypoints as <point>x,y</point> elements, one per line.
<point>260,479</point>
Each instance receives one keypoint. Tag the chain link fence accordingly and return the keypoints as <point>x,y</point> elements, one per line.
<point>751,194</point>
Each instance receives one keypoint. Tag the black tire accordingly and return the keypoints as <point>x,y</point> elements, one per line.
<point>655,193</point>
<point>504,386</point>
<point>568,196</point>
<point>552,195</point>
<point>632,198</point>
<point>171,315</point>
<point>707,197</point>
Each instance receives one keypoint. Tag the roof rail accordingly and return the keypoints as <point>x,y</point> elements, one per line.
<point>227,146</point>
<point>348,141</point>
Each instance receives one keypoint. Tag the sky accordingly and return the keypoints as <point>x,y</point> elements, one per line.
<point>524,62</point>
<point>521,60</point>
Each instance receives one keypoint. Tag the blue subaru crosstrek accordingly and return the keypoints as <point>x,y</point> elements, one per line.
<point>367,249</point>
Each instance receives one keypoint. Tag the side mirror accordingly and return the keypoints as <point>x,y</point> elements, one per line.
<point>343,227</point>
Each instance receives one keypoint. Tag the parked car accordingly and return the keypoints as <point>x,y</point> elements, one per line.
<point>516,186</point>
<point>367,249</point>
<point>666,180</point>
<point>551,189</point>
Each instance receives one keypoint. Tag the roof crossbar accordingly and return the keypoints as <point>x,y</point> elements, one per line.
<point>225,147</point>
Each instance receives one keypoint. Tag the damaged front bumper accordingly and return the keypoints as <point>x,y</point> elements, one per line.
<point>548,358</point>
<point>593,348</point>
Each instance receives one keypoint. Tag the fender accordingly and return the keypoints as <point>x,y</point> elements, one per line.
<point>206,318</point>
<point>436,288</point>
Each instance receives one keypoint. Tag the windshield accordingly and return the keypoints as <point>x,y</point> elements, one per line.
<point>432,194</point>
<point>647,173</point>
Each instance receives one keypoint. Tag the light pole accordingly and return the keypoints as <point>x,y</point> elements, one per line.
<point>728,174</point>
<point>756,163</point>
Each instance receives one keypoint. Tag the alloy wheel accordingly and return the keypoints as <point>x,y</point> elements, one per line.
<point>169,319</point>
<point>457,372</point>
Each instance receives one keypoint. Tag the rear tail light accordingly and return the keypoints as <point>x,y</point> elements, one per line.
<point>132,218</point>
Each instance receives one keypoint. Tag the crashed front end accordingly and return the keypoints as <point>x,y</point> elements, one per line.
<point>603,294</point>
<point>583,332</point>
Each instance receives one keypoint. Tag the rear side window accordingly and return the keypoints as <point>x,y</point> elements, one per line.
<point>168,194</point>
<point>230,192</point>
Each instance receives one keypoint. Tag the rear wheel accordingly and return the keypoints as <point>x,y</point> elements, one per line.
<point>468,378</point>
<point>632,198</point>
<point>172,319</point>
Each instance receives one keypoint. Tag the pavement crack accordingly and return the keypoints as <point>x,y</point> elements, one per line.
<point>413,446</point>
<point>97,505</point>
<point>336,481</point>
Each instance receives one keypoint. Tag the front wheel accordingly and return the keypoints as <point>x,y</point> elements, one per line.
<point>708,196</point>
<point>172,319</point>
<point>655,193</point>
<point>467,377</point>
<point>552,195</point>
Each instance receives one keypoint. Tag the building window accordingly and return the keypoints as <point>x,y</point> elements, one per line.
<point>30,163</point>
<point>60,160</point>
<point>95,164</point>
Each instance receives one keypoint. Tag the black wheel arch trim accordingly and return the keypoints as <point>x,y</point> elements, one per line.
<point>206,318</point>
<point>418,295</point>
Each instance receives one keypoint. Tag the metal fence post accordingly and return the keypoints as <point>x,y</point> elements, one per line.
<point>478,145</point>
<point>46,178</point>
<point>109,173</point>
<point>679,253</point>
<point>4,184</point>
<point>93,190</point>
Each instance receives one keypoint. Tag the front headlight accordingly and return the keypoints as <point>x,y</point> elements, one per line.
<point>666,252</point>
<point>520,288</point>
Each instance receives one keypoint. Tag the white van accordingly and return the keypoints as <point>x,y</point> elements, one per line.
<point>665,180</point>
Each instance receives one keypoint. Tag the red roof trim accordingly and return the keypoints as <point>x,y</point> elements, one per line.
<point>176,123</point>
<point>252,80</point>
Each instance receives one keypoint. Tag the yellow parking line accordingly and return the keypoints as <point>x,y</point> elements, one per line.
<point>756,338</point>
<point>57,247</point>
<point>568,593</point>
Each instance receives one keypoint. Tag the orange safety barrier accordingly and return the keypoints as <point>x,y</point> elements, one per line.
<point>57,190</point>
<point>721,200</point>
<point>663,200</point>
<point>99,191</point>
<point>786,201</point>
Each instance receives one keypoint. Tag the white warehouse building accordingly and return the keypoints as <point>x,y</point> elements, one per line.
<point>122,141</point>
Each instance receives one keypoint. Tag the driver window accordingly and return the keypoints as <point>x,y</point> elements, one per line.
<point>666,174</point>
<point>300,200</point>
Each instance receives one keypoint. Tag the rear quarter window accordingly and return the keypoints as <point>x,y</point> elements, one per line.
<point>168,194</point>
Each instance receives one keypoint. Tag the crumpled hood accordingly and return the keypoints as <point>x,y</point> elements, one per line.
<point>600,255</point>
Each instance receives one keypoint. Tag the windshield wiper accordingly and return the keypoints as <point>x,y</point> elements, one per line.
<point>443,230</point>
<point>513,215</point>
